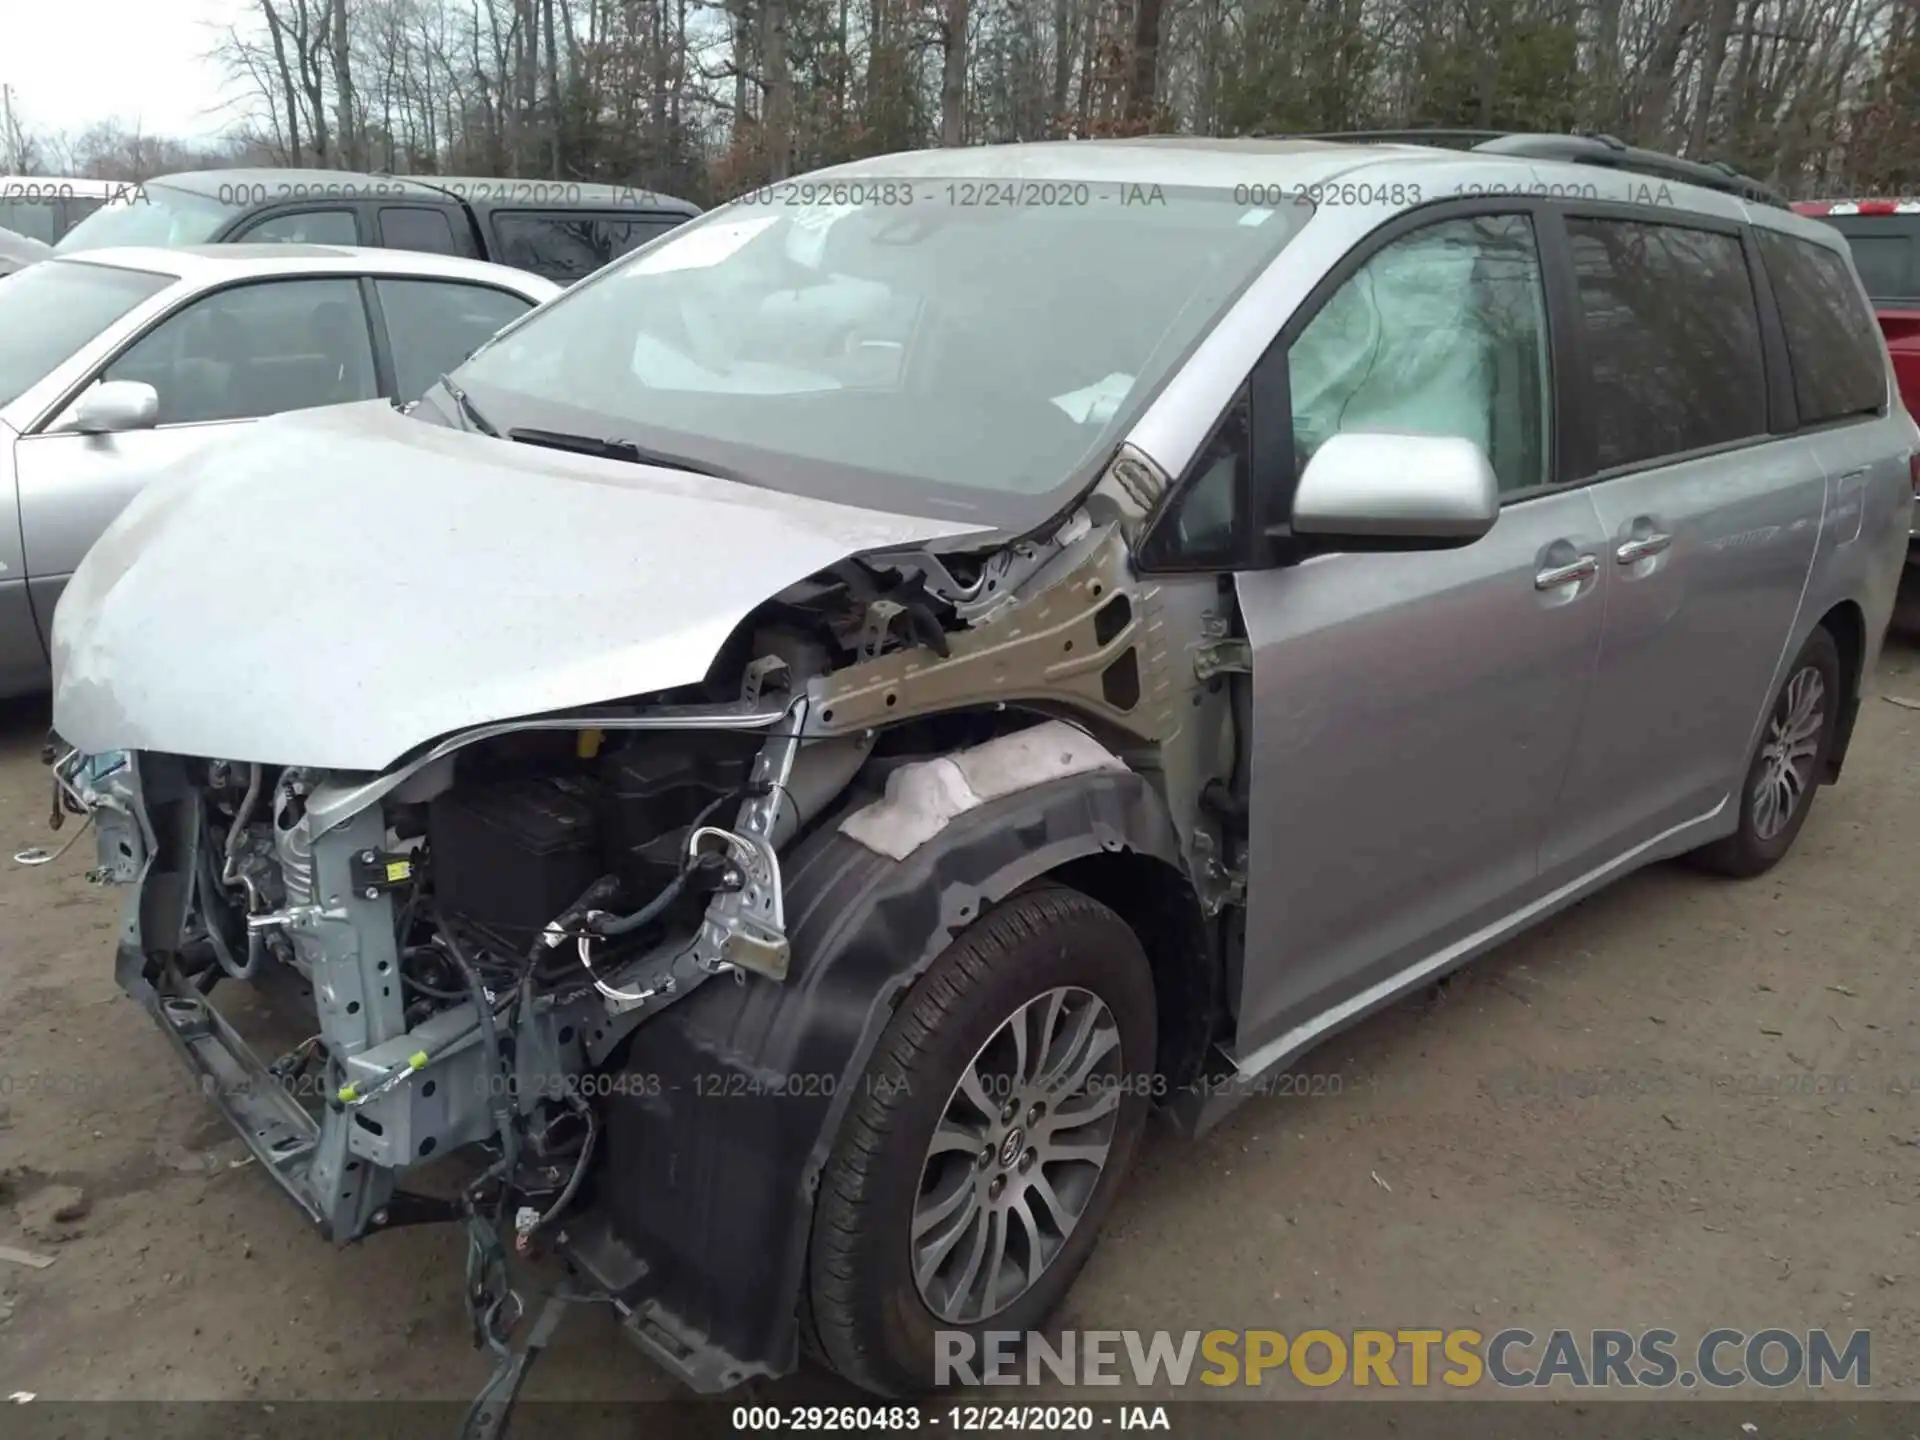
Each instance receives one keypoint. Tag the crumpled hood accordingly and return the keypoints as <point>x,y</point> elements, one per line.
<point>335,587</point>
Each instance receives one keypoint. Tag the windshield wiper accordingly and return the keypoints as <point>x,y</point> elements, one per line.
<point>624,450</point>
<point>467,407</point>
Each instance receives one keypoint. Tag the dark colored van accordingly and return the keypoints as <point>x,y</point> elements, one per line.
<point>562,229</point>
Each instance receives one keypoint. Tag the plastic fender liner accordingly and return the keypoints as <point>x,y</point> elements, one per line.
<point>721,1118</point>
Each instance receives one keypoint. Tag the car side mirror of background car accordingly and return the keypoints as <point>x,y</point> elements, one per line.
<point>116,405</point>
<point>1377,491</point>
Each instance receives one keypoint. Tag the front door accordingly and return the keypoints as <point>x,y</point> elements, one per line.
<point>1413,714</point>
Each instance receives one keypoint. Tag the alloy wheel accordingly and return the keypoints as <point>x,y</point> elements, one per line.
<point>1018,1151</point>
<point>1787,757</point>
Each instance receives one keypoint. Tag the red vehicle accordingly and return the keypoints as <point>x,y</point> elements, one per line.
<point>1884,236</point>
<point>1885,239</point>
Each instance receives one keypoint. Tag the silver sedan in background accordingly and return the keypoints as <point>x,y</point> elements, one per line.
<point>118,363</point>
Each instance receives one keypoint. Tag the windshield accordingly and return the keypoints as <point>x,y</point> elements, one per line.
<point>982,339</point>
<point>50,310</point>
<point>148,215</point>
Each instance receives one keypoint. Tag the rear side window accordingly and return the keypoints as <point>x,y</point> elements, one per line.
<point>418,227</point>
<point>1833,341</point>
<point>566,246</point>
<point>433,325</point>
<point>1672,338</point>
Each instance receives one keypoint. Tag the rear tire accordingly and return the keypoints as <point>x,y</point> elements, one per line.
<point>1787,764</point>
<point>1042,1012</point>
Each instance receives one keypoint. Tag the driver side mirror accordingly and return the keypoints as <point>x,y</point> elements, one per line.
<point>1378,491</point>
<point>116,405</point>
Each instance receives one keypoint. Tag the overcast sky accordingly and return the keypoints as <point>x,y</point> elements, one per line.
<point>73,62</point>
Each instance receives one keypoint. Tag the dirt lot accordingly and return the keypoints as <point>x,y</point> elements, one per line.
<point>1686,1103</point>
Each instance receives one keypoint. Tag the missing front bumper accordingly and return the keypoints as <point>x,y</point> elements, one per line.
<point>389,1097</point>
<point>283,1137</point>
<point>292,1146</point>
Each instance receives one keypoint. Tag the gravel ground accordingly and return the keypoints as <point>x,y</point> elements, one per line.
<point>1685,1103</point>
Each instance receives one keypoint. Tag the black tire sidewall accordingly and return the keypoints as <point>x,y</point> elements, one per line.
<point>882,1335</point>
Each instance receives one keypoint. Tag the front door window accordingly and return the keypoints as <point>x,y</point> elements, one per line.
<point>256,350</point>
<point>1442,332</point>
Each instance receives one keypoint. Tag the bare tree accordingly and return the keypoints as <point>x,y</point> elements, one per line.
<point>953,72</point>
<point>20,153</point>
<point>706,97</point>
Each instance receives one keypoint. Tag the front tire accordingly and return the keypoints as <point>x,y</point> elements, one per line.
<point>1002,1105</point>
<point>1787,764</point>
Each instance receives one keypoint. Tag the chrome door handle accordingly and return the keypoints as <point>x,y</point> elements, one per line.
<point>1582,569</point>
<point>1640,549</point>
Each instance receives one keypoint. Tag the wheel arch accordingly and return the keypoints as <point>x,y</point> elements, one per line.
<point>1847,624</point>
<point>1158,902</point>
<point>702,1210</point>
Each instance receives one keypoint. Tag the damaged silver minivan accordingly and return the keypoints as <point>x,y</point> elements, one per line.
<point>788,755</point>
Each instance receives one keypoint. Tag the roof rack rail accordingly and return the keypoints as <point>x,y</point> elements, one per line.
<point>1615,154</point>
<point>1603,150</point>
<point>1443,139</point>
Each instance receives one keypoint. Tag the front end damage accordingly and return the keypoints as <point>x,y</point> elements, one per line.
<point>467,942</point>
<point>399,914</point>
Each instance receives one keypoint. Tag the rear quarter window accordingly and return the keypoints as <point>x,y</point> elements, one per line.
<point>1833,342</point>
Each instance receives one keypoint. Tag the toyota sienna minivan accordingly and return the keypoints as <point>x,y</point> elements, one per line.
<point>792,751</point>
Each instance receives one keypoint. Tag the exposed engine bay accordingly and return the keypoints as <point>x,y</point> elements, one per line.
<point>489,905</point>
<point>471,938</point>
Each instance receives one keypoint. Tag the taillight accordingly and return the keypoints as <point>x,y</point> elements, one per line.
<point>1879,207</point>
